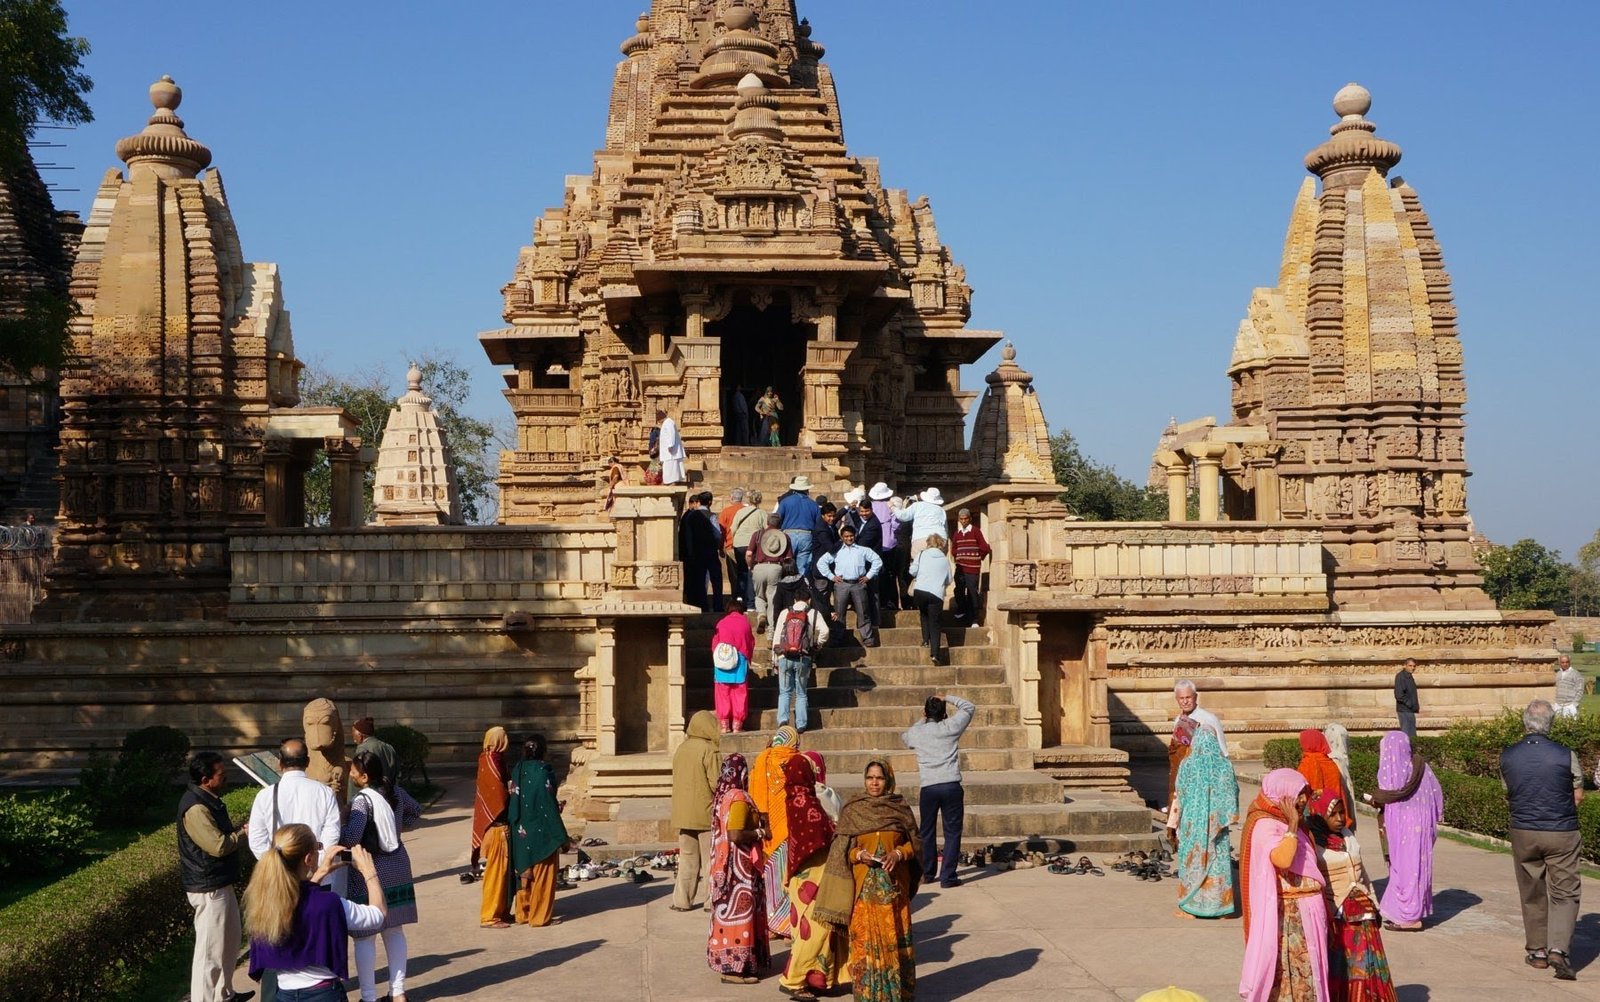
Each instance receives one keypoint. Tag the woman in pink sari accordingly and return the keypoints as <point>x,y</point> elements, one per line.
<point>1285,918</point>
<point>1413,805</point>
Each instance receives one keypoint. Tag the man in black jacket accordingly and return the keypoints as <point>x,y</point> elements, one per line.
<point>1405,699</point>
<point>697,548</point>
<point>208,867</point>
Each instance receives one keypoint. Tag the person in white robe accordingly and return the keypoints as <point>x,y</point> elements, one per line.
<point>672,454</point>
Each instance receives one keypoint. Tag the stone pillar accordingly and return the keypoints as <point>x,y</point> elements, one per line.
<point>1261,460</point>
<point>1099,686</point>
<point>646,522</point>
<point>1029,679</point>
<point>278,462</point>
<point>675,684</point>
<point>1208,464</point>
<point>821,379</point>
<point>606,689</point>
<point>1177,470</point>
<point>344,462</point>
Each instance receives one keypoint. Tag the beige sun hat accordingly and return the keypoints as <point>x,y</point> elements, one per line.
<point>880,492</point>
<point>800,483</point>
<point>932,496</point>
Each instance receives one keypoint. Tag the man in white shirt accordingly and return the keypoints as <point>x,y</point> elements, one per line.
<point>1185,726</point>
<point>1570,687</point>
<point>295,799</point>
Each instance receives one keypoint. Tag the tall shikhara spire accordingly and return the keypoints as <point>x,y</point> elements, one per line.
<point>1352,366</point>
<point>727,240</point>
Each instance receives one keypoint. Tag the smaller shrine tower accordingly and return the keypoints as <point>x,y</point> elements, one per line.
<point>415,482</point>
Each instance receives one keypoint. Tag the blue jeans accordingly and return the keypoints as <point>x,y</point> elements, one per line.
<point>327,993</point>
<point>950,800</point>
<point>794,674</point>
<point>800,542</point>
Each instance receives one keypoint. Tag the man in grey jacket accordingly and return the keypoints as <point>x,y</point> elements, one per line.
<point>936,739</point>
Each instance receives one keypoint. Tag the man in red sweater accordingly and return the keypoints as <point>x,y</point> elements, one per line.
<point>968,547</point>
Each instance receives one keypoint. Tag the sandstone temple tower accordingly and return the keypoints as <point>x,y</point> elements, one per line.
<point>180,354</point>
<point>727,241</point>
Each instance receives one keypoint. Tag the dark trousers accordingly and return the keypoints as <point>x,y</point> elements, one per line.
<point>742,584</point>
<point>931,606</point>
<point>950,800</point>
<point>713,566</point>
<point>969,594</point>
<point>1548,884</point>
<point>1408,723</point>
<point>889,579</point>
<point>855,593</point>
<point>696,570</point>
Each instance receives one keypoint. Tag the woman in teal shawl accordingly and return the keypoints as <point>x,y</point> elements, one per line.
<point>1206,804</point>
<point>537,835</point>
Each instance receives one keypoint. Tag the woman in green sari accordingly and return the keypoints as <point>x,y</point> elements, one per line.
<point>1205,804</point>
<point>537,835</point>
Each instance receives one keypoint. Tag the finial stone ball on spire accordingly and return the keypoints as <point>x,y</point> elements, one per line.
<point>414,377</point>
<point>738,17</point>
<point>1353,100</point>
<point>166,94</point>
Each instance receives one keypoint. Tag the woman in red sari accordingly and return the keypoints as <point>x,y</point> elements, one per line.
<point>737,947</point>
<point>489,831</point>
<point>817,949</point>
<point>1358,971</point>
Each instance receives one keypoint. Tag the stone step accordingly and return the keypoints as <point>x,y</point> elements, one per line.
<point>855,654</point>
<point>698,638</point>
<point>933,678</point>
<point>877,738</point>
<point>1002,787</point>
<point>854,761</point>
<point>764,695</point>
<point>860,718</point>
<point>1080,818</point>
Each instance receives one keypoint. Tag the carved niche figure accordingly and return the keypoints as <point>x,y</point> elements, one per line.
<point>324,734</point>
<point>754,165</point>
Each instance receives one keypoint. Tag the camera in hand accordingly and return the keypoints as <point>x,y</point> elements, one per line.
<point>344,856</point>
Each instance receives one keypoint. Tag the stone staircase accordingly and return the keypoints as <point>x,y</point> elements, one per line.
<point>860,702</point>
<point>766,469</point>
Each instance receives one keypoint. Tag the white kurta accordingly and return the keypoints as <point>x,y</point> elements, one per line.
<point>672,454</point>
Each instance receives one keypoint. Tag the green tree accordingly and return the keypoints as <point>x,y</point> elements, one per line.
<point>1526,575</point>
<point>1096,492</point>
<point>41,77</point>
<point>369,398</point>
<point>41,71</point>
<point>1584,582</point>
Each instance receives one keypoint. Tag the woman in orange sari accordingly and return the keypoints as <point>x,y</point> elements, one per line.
<point>768,790</point>
<point>874,867</point>
<point>489,831</point>
<point>1321,771</point>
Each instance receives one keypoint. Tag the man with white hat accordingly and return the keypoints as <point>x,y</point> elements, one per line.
<point>893,566</point>
<point>927,518</point>
<point>799,516</point>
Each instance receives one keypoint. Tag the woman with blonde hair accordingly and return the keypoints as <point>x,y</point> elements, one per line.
<point>299,929</point>
<point>931,574</point>
<point>489,831</point>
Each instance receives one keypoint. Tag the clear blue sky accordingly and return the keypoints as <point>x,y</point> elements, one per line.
<point>1116,177</point>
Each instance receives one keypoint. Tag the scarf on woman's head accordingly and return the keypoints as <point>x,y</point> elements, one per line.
<point>786,736</point>
<point>1319,770</point>
<point>817,765</point>
<point>1321,829</point>
<point>810,829</point>
<point>492,798</point>
<point>735,773</point>
<point>1275,785</point>
<point>862,815</point>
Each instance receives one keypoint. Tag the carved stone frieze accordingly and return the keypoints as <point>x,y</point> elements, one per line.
<point>1271,637</point>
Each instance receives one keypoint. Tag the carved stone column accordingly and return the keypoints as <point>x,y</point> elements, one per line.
<point>675,684</point>
<point>278,459</point>
<point>606,689</point>
<point>344,462</point>
<point>1208,465</point>
<point>1099,687</point>
<point>700,420</point>
<point>1028,679</point>
<point>646,523</point>
<point>1176,467</point>
<point>1261,459</point>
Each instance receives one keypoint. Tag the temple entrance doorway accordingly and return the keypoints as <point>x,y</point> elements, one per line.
<point>761,348</point>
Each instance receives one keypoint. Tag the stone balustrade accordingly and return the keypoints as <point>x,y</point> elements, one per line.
<point>475,572</point>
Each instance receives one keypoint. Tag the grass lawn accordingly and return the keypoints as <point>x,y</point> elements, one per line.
<point>1589,664</point>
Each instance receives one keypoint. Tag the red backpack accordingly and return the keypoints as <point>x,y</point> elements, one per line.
<point>796,633</point>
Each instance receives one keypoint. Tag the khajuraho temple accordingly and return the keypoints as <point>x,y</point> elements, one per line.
<point>724,241</point>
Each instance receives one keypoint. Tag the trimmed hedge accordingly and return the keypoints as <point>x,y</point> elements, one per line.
<point>1473,801</point>
<point>90,932</point>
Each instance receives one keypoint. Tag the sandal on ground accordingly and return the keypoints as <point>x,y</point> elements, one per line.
<point>1537,961</point>
<point>799,994</point>
<point>691,908</point>
<point>496,924</point>
<point>1562,966</point>
<point>740,979</point>
<point>1394,927</point>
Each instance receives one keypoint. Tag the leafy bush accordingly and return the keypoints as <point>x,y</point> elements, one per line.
<point>90,932</point>
<point>41,833</point>
<point>143,775</point>
<point>1579,641</point>
<point>411,747</point>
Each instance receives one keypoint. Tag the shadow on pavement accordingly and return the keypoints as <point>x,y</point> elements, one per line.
<point>571,905</point>
<point>1451,902</point>
<point>421,965</point>
<point>975,975</point>
<point>1585,941</point>
<point>463,985</point>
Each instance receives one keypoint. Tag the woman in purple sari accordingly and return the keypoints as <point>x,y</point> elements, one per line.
<point>1413,805</point>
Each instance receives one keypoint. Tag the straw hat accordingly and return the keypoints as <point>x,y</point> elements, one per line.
<point>801,483</point>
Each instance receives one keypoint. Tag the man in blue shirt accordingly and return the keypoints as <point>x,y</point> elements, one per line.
<point>800,515</point>
<point>851,569</point>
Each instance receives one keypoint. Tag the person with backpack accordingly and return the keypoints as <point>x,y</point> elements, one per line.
<point>766,554</point>
<point>796,635</point>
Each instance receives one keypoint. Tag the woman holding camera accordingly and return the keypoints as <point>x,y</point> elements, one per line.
<point>299,929</point>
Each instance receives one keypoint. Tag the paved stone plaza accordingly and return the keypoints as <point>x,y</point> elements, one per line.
<point>1025,934</point>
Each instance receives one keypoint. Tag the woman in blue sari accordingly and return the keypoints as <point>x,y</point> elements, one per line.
<point>1205,805</point>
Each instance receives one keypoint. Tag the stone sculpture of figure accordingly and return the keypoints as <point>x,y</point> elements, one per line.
<point>324,733</point>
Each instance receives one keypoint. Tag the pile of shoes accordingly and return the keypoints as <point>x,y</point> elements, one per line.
<point>1143,865</point>
<point>636,869</point>
<point>666,861</point>
<point>473,874</point>
<point>1063,864</point>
